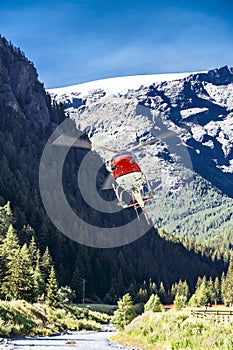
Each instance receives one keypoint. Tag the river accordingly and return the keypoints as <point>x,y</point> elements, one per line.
<point>89,340</point>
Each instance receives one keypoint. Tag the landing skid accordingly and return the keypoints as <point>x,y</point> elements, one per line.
<point>136,207</point>
<point>119,191</point>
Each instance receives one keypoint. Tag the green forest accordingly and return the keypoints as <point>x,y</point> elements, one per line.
<point>28,274</point>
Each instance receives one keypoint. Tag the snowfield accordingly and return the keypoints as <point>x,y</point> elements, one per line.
<point>113,86</point>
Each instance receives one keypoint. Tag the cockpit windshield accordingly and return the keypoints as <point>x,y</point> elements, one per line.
<point>123,154</point>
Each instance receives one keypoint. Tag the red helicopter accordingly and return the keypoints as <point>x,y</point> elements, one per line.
<point>125,174</point>
<point>128,177</point>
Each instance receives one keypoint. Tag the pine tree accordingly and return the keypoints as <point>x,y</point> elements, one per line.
<point>217,287</point>
<point>33,251</point>
<point>201,297</point>
<point>222,285</point>
<point>77,284</point>
<point>152,287</point>
<point>6,218</point>
<point>10,242</point>
<point>18,282</point>
<point>162,293</point>
<point>46,264</point>
<point>227,285</point>
<point>184,290</point>
<point>173,290</point>
<point>8,248</point>
<point>132,290</point>
<point>199,282</point>
<point>66,295</point>
<point>39,282</point>
<point>180,301</point>
<point>142,295</point>
<point>212,291</point>
<point>125,312</point>
<point>181,288</point>
<point>52,288</point>
<point>153,304</point>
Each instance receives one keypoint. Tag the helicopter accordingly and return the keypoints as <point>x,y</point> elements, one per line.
<point>125,175</point>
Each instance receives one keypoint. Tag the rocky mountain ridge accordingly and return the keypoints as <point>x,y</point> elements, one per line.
<point>198,110</point>
<point>20,87</point>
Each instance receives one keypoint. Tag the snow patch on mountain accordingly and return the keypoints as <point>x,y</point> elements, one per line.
<point>223,95</point>
<point>111,86</point>
<point>186,113</point>
<point>198,132</point>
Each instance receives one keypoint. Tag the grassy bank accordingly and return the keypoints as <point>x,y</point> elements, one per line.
<point>19,318</point>
<point>176,330</point>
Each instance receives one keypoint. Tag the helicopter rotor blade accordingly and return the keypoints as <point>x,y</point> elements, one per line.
<point>108,183</point>
<point>108,149</point>
<point>71,141</point>
<point>154,140</point>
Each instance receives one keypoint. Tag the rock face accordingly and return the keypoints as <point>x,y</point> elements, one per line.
<point>27,119</point>
<point>194,163</point>
<point>197,108</point>
<point>19,85</point>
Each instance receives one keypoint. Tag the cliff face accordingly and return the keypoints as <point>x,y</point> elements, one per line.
<point>27,119</point>
<point>19,85</point>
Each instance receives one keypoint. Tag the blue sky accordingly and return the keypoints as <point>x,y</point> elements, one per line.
<point>71,42</point>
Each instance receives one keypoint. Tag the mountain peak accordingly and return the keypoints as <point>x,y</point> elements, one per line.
<point>20,88</point>
<point>218,76</point>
